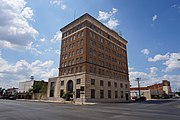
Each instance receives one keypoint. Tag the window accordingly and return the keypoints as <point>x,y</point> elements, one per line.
<point>52,86</point>
<point>115,84</point>
<point>121,85</point>
<point>126,86</point>
<point>72,61</point>
<point>78,81</point>
<point>109,93</point>
<point>61,93</point>
<point>101,83</point>
<point>77,93</point>
<point>92,81</point>
<point>90,52</point>
<point>101,93</point>
<point>90,34</point>
<point>91,42</point>
<point>121,94</point>
<point>77,60</point>
<point>80,60</point>
<point>76,69</point>
<point>91,70</point>
<point>102,72</point>
<point>80,69</point>
<point>70,46</point>
<point>72,70</point>
<point>81,50</point>
<point>72,53</point>
<point>69,62</point>
<point>77,51</point>
<point>69,71</point>
<point>116,94</point>
<point>92,93</point>
<point>109,83</point>
<point>62,83</point>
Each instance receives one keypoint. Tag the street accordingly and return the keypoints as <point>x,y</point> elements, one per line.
<point>26,110</point>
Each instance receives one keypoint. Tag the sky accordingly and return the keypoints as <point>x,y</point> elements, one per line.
<point>30,38</point>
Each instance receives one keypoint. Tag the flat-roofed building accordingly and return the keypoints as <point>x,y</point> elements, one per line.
<point>93,60</point>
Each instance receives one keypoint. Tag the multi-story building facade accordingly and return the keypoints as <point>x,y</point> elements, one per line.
<point>93,60</point>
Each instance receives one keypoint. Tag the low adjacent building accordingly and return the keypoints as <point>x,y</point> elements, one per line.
<point>159,90</point>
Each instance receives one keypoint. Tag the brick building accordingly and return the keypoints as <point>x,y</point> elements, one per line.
<point>93,59</point>
<point>158,90</point>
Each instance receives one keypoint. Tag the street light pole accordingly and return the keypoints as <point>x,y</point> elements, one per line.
<point>138,79</point>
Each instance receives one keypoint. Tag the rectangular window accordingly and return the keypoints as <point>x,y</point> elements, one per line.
<point>92,81</point>
<point>91,70</point>
<point>115,84</point>
<point>78,81</point>
<point>101,83</point>
<point>52,86</point>
<point>72,61</point>
<point>121,85</point>
<point>122,94</point>
<point>61,93</point>
<point>76,69</point>
<point>109,93</point>
<point>80,69</point>
<point>62,83</point>
<point>116,94</point>
<point>81,59</point>
<point>101,93</point>
<point>109,84</point>
<point>126,86</point>
<point>92,93</point>
<point>77,93</point>
<point>77,60</point>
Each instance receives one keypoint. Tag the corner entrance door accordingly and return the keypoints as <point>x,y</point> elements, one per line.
<point>70,86</point>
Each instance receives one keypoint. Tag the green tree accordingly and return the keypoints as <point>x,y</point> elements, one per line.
<point>36,88</point>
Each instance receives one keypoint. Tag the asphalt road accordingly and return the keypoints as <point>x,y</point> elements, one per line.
<point>151,110</point>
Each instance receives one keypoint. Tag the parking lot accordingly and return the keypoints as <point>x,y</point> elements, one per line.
<point>148,110</point>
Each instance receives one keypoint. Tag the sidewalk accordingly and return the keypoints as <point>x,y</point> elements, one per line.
<point>56,101</point>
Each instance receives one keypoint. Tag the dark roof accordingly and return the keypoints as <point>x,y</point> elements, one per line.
<point>86,14</point>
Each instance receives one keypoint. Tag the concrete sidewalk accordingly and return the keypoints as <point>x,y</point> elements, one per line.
<point>56,101</point>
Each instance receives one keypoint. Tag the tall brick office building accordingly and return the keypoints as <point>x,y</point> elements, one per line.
<point>93,59</point>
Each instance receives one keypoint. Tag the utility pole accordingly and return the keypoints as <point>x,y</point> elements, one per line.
<point>138,79</point>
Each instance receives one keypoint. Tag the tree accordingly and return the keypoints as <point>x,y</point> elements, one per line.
<point>36,88</point>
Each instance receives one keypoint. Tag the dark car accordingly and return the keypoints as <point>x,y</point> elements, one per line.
<point>12,97</point>
<point>141,99</point>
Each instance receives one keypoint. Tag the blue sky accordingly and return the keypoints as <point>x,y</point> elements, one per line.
<point>30,38</point>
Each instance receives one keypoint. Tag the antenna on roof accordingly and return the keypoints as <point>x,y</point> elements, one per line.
<point>74,14</point>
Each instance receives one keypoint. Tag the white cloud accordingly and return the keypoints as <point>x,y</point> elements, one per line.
<point>154,18</point>
<point>15,31</point>
<point>27,13</point>
<point>11,74</point>
<point>145,51</point>
<point>42,39</point>
<point>153,71</point>
<point>112,23</point>
<point>170,61</point>
<point>29,48</point>
<point>108,18</point>
<point>58,3</point>
<point>57,37</point>
<point>159,57</point>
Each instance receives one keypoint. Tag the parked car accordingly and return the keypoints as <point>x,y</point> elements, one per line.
<point>12,97</point>
<point>143,98</point>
